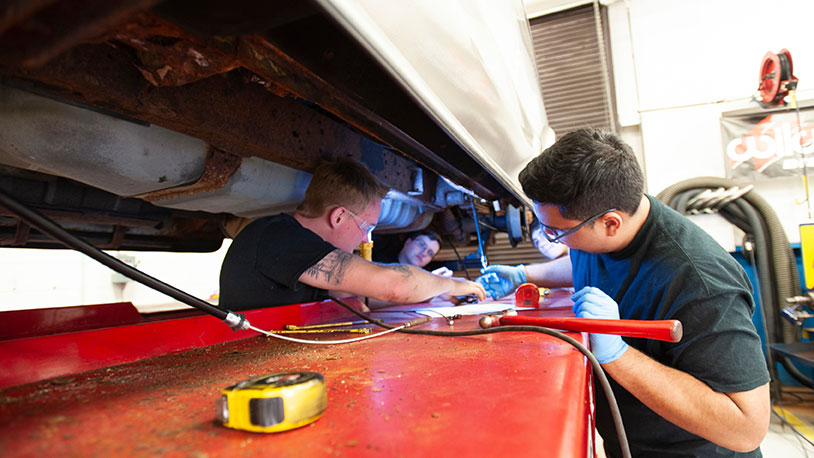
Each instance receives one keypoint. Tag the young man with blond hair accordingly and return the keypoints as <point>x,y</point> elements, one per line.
<point>286,259</point>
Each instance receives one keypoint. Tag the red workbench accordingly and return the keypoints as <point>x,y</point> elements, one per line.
<point>504,394</point>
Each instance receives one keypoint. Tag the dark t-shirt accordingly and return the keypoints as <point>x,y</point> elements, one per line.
<point>674,270</point>
<point>264,263</point>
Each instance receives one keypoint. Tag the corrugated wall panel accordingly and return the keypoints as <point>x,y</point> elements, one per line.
<point>572,73</point>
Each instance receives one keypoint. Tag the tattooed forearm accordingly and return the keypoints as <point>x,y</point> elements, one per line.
<point>332,267</point>
<point>402,269</point>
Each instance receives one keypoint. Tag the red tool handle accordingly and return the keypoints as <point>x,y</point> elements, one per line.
<point>667,330</point>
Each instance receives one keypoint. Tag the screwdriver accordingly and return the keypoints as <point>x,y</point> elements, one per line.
<point>321,331</point>
<point>327,325</point>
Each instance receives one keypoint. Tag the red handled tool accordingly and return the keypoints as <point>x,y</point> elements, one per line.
<point>667,330</point>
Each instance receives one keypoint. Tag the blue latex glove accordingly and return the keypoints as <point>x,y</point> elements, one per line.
<point>590,302</point>
<point>499,280</point>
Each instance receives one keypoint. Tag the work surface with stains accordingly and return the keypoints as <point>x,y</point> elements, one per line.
<point>503,394</point>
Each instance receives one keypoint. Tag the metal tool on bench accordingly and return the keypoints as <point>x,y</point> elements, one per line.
<point>321,331</point>
<point>293,327</point>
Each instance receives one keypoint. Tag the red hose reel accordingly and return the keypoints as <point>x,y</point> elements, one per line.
<point>776,78</point>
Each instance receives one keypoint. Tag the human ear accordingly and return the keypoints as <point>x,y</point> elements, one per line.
<point>335,216</point>
<point>612,223</point>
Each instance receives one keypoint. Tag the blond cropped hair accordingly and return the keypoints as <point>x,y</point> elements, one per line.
<point>341,182</point>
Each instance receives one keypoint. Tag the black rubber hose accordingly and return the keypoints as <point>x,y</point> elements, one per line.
<point>736,216</point>
<point>48,227</point>
<point>766,280</point>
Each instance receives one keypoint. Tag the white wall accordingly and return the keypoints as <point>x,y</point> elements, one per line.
<point>32,278</point>
<point>679,64</point>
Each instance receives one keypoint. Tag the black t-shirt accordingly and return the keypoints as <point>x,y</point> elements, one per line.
<point>674,270</point>
<point>264,263</point>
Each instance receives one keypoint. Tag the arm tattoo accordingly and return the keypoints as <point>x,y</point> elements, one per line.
<point>332,267</point>
<point>402,269</point>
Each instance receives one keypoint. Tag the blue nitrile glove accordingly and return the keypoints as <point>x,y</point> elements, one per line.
<point>590,302</point>
<point>499,280</point>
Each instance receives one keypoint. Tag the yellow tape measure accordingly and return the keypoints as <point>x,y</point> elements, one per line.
<point>272,403</point>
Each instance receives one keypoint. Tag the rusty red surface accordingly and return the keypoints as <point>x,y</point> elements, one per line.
<point>506,394</point>
<point>27,360</point>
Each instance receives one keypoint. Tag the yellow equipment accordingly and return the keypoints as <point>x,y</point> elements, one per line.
<point>272,403</point>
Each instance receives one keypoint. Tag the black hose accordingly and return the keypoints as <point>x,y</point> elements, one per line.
<point>733,213</point>
<point>764,272</point>
<point>597,368</point>
<point>461,264</point>
<point>760,263</point>
<point>48,227</point>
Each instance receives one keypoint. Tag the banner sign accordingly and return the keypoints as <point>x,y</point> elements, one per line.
<point>764,146</point>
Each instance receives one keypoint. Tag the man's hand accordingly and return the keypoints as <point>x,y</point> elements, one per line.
<point>500,280</point>
<point>464,287</point>
<point>590,302</point>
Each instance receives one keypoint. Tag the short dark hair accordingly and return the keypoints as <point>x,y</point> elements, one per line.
<point>427,233</point>
<point>585,172</point>
<point>340,182</point>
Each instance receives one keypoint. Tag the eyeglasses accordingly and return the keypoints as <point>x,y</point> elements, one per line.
<point>364,226</point>
<point>554,235</point>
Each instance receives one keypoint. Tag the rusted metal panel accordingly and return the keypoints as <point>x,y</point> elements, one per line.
<point>218,168</point>
<point>227,111</point>
<point>15,11</point>
<point>271,63</point>
<point>169,56</point>
<point>268,60</point>
<point>37,36</point>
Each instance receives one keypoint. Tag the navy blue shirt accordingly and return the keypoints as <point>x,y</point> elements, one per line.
<point>672,269</point>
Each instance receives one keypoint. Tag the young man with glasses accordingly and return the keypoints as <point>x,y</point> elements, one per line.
<point>632,257</point>
<point>287,259</point>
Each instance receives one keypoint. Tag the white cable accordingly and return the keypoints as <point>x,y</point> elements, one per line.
<point>324,342</point>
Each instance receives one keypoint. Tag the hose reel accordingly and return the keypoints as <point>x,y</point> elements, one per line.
<point>776,78</point>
